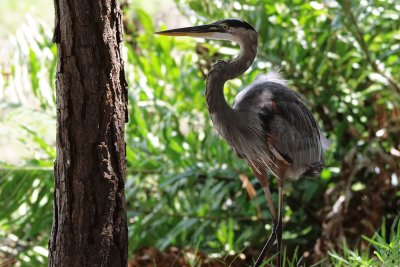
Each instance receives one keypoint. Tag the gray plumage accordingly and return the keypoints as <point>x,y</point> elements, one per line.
<point>268,124</point>
<point>267,121</point>
<point>291,131</point>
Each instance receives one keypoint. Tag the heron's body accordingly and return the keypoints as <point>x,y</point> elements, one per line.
<point>268,124</point>
<point>281,129</point>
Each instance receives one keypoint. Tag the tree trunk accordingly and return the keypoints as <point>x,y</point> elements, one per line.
<point>89,224</point>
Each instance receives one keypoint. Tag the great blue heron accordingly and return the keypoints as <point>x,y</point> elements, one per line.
<point>268,124</point>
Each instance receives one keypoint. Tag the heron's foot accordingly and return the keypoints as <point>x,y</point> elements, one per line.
<point>279,241</point>
<point>267,246</point>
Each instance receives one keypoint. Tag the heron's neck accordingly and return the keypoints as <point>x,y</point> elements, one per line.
<point>227,70</point>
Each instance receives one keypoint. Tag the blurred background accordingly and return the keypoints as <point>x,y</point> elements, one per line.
<point>191,202</point>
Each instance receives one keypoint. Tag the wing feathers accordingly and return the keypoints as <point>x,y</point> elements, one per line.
<point>291,131</point>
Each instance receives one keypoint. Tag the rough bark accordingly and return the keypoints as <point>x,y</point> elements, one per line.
<point>89,224</point>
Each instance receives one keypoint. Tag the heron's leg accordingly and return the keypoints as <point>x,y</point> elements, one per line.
<point>266,248</point>
<point>264,183</point>
<point>262,178</point>
<point>279,225</point>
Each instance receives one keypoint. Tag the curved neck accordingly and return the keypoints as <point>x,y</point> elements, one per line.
<point>227,70</point>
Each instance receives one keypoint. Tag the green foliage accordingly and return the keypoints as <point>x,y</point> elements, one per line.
<point>29,75</point>
<point>183,185</point>
<point>26,213</point>
<point>26,184</point>
<point>386,250</point>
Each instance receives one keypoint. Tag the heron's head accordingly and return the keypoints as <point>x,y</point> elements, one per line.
<point>235,30</point>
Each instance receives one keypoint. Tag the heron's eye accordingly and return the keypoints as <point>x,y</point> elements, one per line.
<point>226,27</point>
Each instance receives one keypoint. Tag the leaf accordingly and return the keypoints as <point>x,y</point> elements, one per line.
<point>179,228</point>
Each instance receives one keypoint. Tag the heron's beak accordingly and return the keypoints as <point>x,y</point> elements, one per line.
<point>203,31</point>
